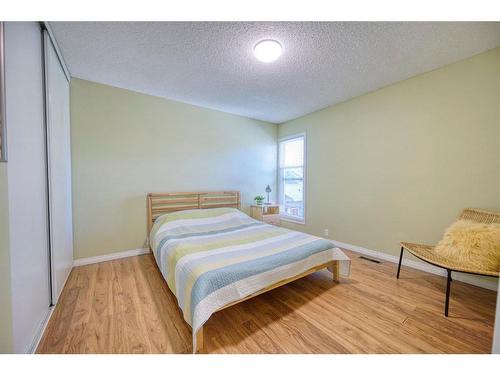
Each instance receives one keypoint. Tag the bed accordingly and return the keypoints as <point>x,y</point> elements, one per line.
<point>213,256</point>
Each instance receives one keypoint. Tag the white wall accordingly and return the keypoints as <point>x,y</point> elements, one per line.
<point>496,335</point>
<point>28,234</point>
<point>5,292</point>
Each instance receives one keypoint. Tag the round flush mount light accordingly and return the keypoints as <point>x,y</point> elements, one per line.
<point>267,50</point>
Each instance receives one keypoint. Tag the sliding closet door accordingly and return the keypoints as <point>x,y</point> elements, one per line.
<point>27,189</point>
<point>59,171</point>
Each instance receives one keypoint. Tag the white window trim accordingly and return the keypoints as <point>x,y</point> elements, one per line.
<point>284,217</point>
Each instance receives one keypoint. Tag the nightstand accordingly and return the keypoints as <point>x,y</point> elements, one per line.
<point>268,213</point>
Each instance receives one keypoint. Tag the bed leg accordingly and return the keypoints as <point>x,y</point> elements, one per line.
<point>199,341</point>
<point>336,271</point>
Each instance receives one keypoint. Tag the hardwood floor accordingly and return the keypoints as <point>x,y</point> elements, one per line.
<point>124,306</point>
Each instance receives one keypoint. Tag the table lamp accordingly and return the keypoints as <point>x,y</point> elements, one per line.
<point>268,190</point>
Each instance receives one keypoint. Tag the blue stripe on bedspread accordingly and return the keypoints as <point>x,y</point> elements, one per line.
<point>211,281</point>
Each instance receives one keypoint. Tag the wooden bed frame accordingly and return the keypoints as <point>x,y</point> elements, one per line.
<point>162,203</point>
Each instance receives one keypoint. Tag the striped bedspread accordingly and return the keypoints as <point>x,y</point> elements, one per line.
<point>213,257</point>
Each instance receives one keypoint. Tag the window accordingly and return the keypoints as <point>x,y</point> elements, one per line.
<point>292,178</point>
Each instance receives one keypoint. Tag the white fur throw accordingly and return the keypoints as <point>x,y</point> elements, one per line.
<point>473,244</point>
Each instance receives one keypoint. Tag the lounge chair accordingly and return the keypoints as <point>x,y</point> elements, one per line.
<point>427,253</point>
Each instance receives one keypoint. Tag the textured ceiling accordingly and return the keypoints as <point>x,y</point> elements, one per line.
<point>211,64</point>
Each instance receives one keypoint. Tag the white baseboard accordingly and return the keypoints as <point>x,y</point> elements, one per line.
<point>106,257</point>
<point>487,284</point>
<point>45,321</point>
<point>483,283</point>
<point>41,330</point>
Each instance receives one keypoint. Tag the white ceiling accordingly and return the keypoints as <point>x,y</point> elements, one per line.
<point>211,64</point>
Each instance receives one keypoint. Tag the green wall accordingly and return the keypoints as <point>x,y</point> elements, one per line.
<point>126,144</point>
<point>395,164</point>
<point>5,289</point>
<point>401,162</point>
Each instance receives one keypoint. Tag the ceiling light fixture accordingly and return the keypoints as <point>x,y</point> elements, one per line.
<point>267,50</point>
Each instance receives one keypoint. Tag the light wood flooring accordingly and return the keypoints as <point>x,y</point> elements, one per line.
<point>124,306</point>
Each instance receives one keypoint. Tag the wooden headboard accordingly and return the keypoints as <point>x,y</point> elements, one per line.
<point>162,203</point>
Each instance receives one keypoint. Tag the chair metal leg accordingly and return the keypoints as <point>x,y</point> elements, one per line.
<point>400,260</point>
<point>447,302</point>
